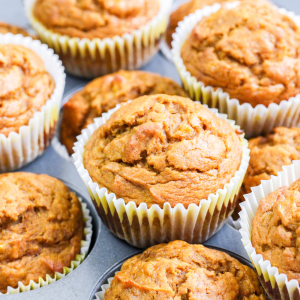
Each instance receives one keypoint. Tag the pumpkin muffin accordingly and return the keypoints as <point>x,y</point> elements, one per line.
<point>41,228</point>
<point>179,270</point>
<point>94,19</point>
<point>25,86</point>
<point>268,155</point>
<point>6,28</point>
<point>251,52</point>
<point>104,93</point>
<point>276,228</point>
<point>163,148</point>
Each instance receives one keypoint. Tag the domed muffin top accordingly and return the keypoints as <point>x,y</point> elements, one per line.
<point>163,148</point>
<point>6,28</point>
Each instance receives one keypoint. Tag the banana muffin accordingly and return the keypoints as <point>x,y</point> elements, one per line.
<point>179,270</point>
<point>163,148</point>
<point>250,51</point>
<point>268,155</point>
<point>6,28</point>
<point>25,86</point>
<point>94,19</point>
<point>276,228</point>
<point>104,93</point>
<point>41,228</point>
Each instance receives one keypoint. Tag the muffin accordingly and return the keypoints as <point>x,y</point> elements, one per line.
<point>42,228</point>
<point>103,37</point>
<point>182,271</point>
<point>162,168</point>
<point>220,56</point>
<point>276,227</point>
<point>104,93</point>
<point>6,28</point>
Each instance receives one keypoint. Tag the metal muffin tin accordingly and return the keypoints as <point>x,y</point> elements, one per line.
<point>106,252</point>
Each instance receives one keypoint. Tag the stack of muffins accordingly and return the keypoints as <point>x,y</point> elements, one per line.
<point>160,166</point>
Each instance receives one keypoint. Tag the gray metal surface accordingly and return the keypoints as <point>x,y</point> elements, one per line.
<point>108,250</point>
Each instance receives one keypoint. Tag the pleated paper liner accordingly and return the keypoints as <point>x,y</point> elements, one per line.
<point>254,120</point>
<point>276,285</point>
<point>19,149</point>
<point>143,227</point>
<point>85,245</point>
<point>91,58</point>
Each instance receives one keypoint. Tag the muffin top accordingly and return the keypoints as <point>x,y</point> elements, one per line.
<point>25,86</point>
<point>276,229</point>
<point>41,227</point>
<point>104,93</point>
<point>95,19</point>
<point>252,52</point>
<point>6,28</point>
<point>181,271</point>
<point>163,148</point>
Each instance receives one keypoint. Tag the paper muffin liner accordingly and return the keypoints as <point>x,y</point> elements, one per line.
<point>277,286</point>
<point>85,245</point>
<point>143,227</point>
<point>100,295</point>
<point>254,120</point>
<point>94,57</point>
<point>19,149</point>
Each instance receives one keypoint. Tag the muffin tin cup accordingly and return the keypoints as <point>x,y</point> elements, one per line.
<point>19,149</point>
<point>254,120</point>
<point>94,57</point>
<point>143,227</point>
<point>277,286</point>
<point>85,245</point>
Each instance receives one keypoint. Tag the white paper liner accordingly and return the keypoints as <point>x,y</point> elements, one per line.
<point>19,149</point>
<point>85,245</point>
<point>100,295</point>
<point>143,227</point>
<point>255,121</point>
<point>276,285</point>
<point>94,57</point>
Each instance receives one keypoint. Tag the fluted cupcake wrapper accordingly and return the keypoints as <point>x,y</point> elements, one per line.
<point>277,286</point>
<point>254,120</point>
<point>85,245</point>
<point>143,227</point>
<point>19,149</point>
<point>100,295</point>
<point>94,57</point>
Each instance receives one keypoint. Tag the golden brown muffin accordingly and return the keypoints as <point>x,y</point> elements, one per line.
<point>181,271</point>
<point>104,93</point>
<point>25,86</point>
<point>41,228</point>
<point>268,155</point>
<point>6,28</point>
<point>163,148</point>
<point>251,52</point>
<point>94,19</point>
<point>276,230</point>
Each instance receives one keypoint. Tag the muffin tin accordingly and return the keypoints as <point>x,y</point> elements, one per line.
<point>106,252</point>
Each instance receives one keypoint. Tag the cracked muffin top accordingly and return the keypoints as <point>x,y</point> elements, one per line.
<point>276,230</point>
<point>6,28</point>
<point>95,18</point>
<point>104,93</point>
<point>181,271</point>
<point>41,226</point>
<point>163,148</point>
<point>25,86</point>
<point>252,52</point>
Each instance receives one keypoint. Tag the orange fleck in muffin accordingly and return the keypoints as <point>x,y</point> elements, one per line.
<point>41,228</point>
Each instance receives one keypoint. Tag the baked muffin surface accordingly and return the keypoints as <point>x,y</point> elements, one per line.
<point>275,232</point>
<point>163,148</point>
<point>104,93</point>
<point>6,28</point>
<point>25,86</point>
<point>94,19</point>
<point>41,227</point>
<point>181,271</point>
<point>253,53</point>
